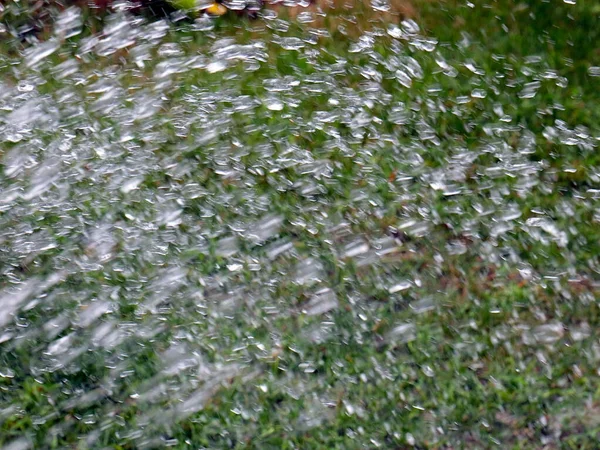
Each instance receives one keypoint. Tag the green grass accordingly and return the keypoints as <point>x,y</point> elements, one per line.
<point>502,347</point>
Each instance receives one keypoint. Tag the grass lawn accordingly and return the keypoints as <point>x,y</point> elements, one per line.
<point>266,234</point>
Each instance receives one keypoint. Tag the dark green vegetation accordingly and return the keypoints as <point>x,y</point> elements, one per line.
<point>381,241</point>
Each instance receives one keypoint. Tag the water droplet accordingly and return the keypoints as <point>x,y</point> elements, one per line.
<point>34,55</point>
<point>403,333</point>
